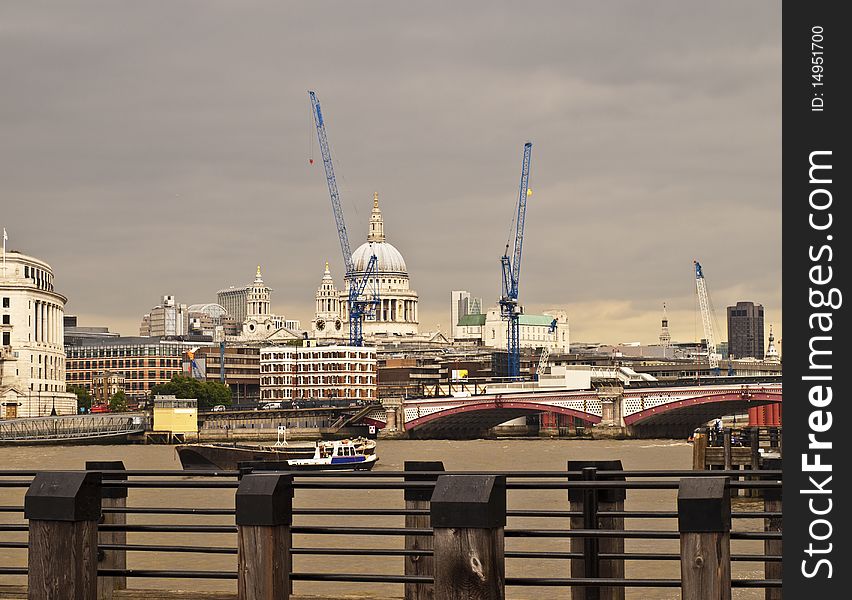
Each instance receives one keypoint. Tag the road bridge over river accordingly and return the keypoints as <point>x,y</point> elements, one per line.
<point>641,412</point>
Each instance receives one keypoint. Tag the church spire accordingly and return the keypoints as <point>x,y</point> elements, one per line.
<point>377,225</point>
<point>257,277</point>
<point>665,337</point>
<point>771,351</point>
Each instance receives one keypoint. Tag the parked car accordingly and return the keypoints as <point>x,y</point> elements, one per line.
<point>219,408</point>
<point>271,406</point>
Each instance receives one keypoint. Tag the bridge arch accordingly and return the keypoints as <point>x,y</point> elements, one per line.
<point>683,414</point>
<point>486,414</point>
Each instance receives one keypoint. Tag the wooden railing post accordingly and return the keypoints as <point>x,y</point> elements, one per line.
<point>704,522</point>
<point>264,503</point>
<point>111,497</point>
<point>608,500</point>
<point>726,448</point>
<point>699,450</point>
<point>754,448</point>
<point>418,499</point>
<point>63,509</point>
<point>468,520</point>
<point>772,503</point>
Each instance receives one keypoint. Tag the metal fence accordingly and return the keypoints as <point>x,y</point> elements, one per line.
<point>592,545</point>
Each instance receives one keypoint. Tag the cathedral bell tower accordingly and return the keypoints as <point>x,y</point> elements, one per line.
<point>665,337</point>
<point>327,320</point>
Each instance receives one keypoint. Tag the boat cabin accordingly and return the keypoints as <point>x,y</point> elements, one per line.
<point>336,449</point>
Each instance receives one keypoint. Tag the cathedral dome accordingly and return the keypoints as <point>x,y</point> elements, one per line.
<point>389,259</point>
<point>395,313</point>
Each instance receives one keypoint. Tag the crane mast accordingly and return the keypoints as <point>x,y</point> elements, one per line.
<point>359,305</point>
<point>706,315</point>
<point>509,309</point>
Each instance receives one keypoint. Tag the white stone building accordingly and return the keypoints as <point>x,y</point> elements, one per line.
<point>328,317</point>
<point>314,373</point>
<point>397,315</point>
<point>32,373</point>
<point>278,373</point>
<point>536,331</point>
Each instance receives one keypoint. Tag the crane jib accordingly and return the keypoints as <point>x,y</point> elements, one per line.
<point>358,307</point>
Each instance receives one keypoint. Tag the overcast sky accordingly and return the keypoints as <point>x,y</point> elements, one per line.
<point>162,147</point>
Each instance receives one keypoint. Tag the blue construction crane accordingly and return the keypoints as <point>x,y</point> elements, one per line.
<point>360,305</point>
<point>509,309</point>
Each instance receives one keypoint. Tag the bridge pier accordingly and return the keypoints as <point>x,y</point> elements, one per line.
<point>393,412</point>
<point>612,424</point>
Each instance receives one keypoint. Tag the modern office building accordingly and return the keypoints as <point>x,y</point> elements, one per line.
<point>166,319</point>
<point>461,305</point>
<point>32,373</point>
<point>745,330</point>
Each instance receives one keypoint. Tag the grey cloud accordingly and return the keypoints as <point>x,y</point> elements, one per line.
<point>162,147</point>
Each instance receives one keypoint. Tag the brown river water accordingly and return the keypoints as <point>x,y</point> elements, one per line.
<point>474,455</point>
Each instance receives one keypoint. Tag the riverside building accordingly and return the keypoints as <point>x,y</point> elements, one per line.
<point>32,357</point>
<point>142,362</point>
<point>316,373</point>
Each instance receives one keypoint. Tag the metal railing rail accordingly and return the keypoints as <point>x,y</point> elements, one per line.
<point>590,535</point>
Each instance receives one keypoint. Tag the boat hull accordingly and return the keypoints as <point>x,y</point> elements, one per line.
<point>350,466</point>
<point>227,457</point>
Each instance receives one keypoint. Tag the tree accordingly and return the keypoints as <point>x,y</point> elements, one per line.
<point>84,398</point>
<point>208,393</point>
<point>118,402</point>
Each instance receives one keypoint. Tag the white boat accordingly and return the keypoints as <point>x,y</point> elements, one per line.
<point>338,455</point>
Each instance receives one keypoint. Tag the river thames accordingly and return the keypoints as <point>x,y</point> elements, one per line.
<point>473,455</point>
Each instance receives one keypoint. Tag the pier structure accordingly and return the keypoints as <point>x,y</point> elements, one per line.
<point>73,428</point>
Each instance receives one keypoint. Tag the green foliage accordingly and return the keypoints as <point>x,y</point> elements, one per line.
<point>208,393</point>
<point>118,402</point>
<point>84,398</point>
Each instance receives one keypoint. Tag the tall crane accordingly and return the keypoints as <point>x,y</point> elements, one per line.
<point>359,303</point>
<point>706,315</point>
<point>509,309</point>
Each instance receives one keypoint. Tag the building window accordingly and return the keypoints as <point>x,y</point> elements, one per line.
<point>6,319</point>
<point>6,302</point>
